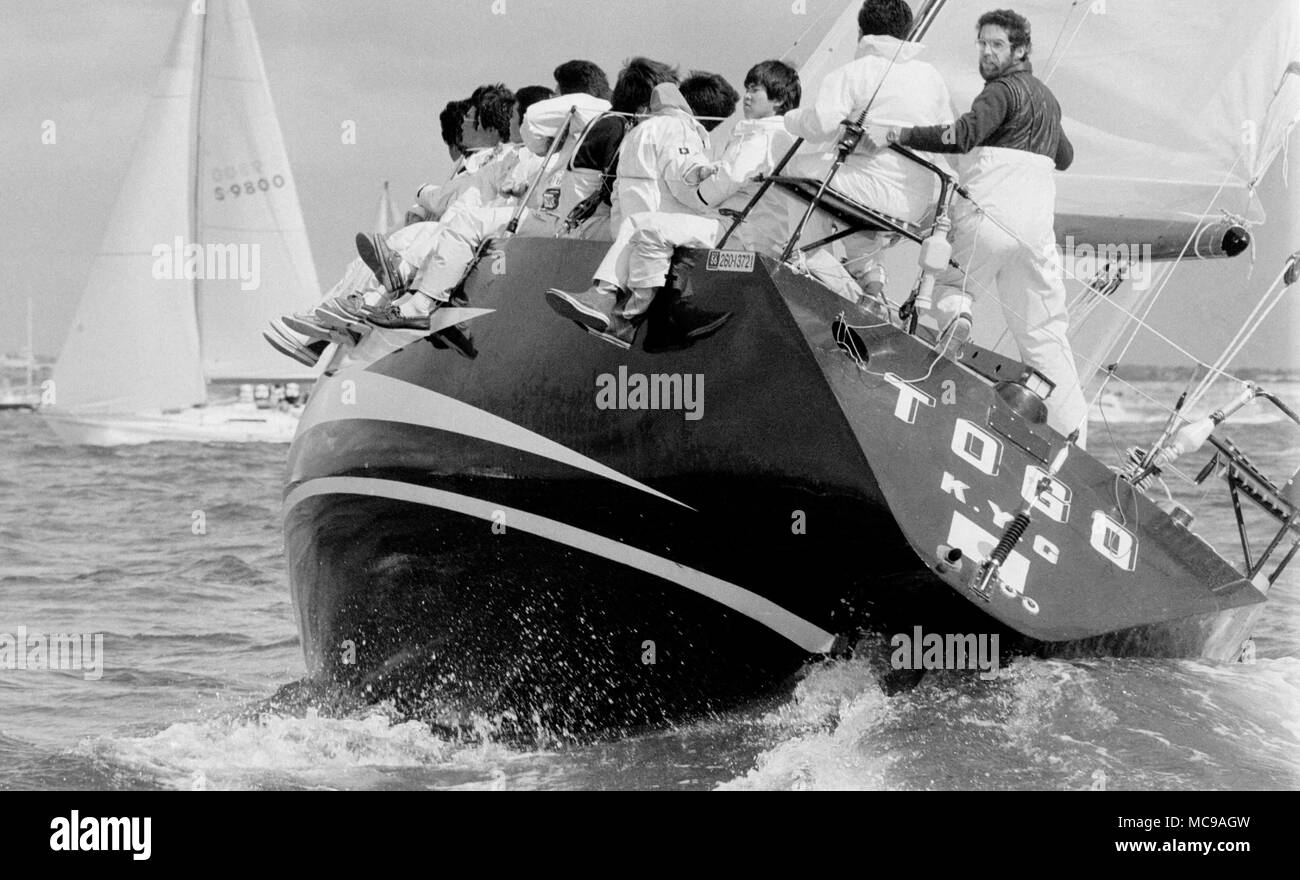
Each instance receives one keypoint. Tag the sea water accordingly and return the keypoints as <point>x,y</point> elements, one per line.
<point>173,554</point>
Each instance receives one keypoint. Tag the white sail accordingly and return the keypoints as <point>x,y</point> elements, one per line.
<point>133,344</point>
<point>1174,110</point>
<point>248,215</point>
<point>836,47</point>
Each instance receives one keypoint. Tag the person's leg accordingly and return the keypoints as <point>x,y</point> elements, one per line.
<point>981,249</point>
<point>594,308</point>
<point>1033,304</point>
<point>654,237</point>
<point>443,257</point>
<point>628,278</point>
<point>357,277</point>
<point>613,268</point>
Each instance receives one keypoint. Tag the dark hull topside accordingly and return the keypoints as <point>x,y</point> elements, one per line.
<point>485,533</point>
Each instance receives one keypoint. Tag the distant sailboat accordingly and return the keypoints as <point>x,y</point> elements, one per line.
<point>205,243</point>
<point>28,398</point>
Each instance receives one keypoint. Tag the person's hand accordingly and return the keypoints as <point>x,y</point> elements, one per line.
<point>697,174</point>
<point>881,136</point>
<point>415,215</point>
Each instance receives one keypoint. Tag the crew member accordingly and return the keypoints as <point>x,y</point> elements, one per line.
<point>1002,236</point>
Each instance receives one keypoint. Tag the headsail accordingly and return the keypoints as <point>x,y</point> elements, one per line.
<point>1164,101</point>
<point>1175,108</point>
<point>246,206</point>
<point>133,344</point>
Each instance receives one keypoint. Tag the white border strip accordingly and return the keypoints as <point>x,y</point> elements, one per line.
<point>806,635</point>
<point>382,398</point>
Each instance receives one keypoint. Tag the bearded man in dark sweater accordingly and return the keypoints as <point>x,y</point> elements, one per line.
<point>1003,237</point>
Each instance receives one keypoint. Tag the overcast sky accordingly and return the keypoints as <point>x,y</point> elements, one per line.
<point>390,66</point>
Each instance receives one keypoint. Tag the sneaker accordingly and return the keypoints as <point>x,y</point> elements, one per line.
<point>391,318</point>
<point>593,308</point>
<point>284,342</point>
<point>699,323</point>
<point>680,325</point>
<point>381,260</point>
<point>313,329</point>
<point>353,303</point>
<point>619,332</point>
<point>957,334</point>
<point>332,313</point>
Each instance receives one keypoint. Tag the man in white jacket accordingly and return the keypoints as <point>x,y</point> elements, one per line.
<point>636,266</point>
<point>482,131</point>
<point>888,80</point>
<point>583,96</point>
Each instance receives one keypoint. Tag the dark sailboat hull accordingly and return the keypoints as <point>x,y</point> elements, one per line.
<point>560,533</point>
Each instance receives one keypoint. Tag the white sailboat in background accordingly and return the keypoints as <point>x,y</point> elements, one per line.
<point>28,398</point>
<point>205,243</point>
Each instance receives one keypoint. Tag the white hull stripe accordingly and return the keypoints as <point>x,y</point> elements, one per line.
<point>382,398</point>
<point>807,636</point>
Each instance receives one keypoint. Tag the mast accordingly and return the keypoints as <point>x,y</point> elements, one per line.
<point>924,18</point>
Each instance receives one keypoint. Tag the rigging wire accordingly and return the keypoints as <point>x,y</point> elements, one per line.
<point>1051,55</point>
<point>799,39</point>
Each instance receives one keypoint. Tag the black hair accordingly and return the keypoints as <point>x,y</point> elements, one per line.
<point>494,105</point>
<point>582,77</point>
<point>637,80</point>
<point>892,18</point>
<point>450,119</point>
<point>780,81</point>
<point>709,95</point>
<point>1015,24</point>
<point>530,95</point>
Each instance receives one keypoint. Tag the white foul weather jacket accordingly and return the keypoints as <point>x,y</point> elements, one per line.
<point>654,158</point>
<point>754,149</point>
<point>902,90</point>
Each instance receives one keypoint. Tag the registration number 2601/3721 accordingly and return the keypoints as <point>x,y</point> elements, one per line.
<point>730,261</point>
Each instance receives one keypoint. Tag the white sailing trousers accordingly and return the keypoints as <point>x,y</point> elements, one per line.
<point>1009,251</point>
<point>442,251</point>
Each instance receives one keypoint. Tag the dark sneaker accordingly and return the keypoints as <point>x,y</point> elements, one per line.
<point>593,308</point>
<point>620,332</point>
<point>680,325</point>
<point>391,318</point>
<point>699,323</point>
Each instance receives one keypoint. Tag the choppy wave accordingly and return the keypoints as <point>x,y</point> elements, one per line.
<point>313,751</point>
<point>1042,724</point>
